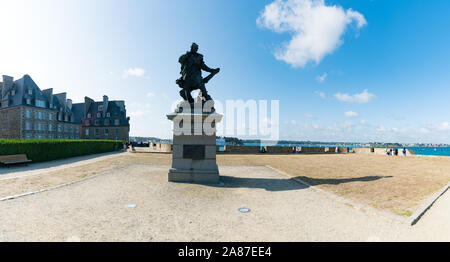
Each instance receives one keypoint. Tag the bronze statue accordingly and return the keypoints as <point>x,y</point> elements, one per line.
<point>191,79</point>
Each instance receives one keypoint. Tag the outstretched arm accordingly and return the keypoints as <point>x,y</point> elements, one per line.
<point>204,67</point>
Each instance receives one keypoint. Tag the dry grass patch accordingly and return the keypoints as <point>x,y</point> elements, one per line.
<point>394,184</point>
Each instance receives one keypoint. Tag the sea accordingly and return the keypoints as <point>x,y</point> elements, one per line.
<point>426,151</point>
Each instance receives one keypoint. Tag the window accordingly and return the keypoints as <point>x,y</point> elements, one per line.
<point>100,108</point>
<point>116,131</point>
<point>106,122</point>
<point>77,129</point>
<point>108,114</point>
<point>40,103</point>
<point>87,131</point>
<point>59,116</point>
<point>28,101</point>
<point>98,115</point>
<point>116,122</point>
<point>66,118</point>
<point>28,113</point>
<point>50,116</point>
<point>87,122</point>
<point>30,91</point>
<point>39,115</point>
<point>59,128</point>
<point>28,136</point>
<point>28,125</point>
<point>89,115</point>
<point>97,132</point>
<point>13,92</point>
<point>106,132</point>
<point>50,127</point>
<point>97,122</point>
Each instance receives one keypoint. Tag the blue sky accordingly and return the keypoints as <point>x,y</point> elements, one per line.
<point>342,70</point>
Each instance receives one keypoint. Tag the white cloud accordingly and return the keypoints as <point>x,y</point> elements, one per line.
<point>316,28</point>
<point>321,94</point>
<point>321,78</point>
<point>138,72</point>
<point>351,114</point>
<point>424,130</point>
<point>364,97</point>
<point>150,94</point>
<point>444,126</point>
<point>308,115</point>
<point>139,113</point>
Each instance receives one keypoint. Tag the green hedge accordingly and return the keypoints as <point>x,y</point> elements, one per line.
<point>40,150</point>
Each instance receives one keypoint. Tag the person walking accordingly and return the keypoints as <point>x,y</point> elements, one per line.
<point>404,151</point>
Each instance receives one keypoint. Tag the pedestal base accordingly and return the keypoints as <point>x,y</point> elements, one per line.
<point>194,176</point>
<point>194,150</point>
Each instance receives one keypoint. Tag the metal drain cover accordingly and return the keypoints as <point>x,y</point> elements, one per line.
<point>244,210</point>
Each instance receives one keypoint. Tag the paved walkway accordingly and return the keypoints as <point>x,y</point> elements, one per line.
<point>281,210</point>
<point>45,167</point>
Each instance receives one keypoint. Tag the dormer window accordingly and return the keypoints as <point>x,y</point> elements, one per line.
<point>28,101</point>
<point>89,115</point>
<point>30,91</point>
<point>116,122</point>
<point>13,92</point>
<point>100,108</point>
<point>98,115</point>
<point>40,103</point>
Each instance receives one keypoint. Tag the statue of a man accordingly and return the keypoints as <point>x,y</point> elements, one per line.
<point>191,79</point>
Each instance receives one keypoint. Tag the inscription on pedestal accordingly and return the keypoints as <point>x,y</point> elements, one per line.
<point>194,152</point>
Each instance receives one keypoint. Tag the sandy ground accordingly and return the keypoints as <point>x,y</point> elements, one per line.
<point>397,185</point>
<point>281,210</point>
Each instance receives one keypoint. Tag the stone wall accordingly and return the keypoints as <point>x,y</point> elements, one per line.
<point>10,123</point>
<point>159,147</point>
<point>241,149</point>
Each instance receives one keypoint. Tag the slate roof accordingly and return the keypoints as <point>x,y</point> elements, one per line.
<point>116,109</point>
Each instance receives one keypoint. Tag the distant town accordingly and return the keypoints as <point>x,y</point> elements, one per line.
<point>237,141</point>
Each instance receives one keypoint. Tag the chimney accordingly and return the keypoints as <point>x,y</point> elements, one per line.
<point>69,104</point>
<point>87,103</point>
<point>62,100</point>
<point>48,93</point>
<point>105,105</point>
<point>8,82</point>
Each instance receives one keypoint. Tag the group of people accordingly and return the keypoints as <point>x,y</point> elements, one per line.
<point>394,151</point>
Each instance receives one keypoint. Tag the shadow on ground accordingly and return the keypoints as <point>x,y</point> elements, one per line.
<point>275,184</point>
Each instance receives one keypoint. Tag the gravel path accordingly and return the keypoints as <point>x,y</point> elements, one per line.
<point>281,210</point>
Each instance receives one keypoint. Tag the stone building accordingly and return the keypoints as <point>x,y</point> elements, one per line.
<point>102,120</point>
<point>28,112</point>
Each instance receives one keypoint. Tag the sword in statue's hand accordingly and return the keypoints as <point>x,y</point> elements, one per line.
<point>206,79</point>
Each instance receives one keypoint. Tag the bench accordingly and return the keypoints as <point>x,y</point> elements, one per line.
<point>14,159</point>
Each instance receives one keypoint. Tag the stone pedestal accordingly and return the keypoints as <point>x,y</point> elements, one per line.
<point>194,147</point>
